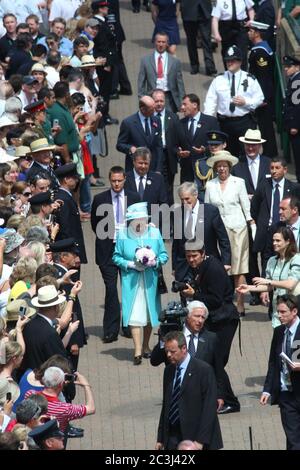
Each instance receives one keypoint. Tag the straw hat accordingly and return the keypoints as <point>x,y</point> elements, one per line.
<point>13,309</point>
<point>38,68</point>
<point>137,211</point>
<point>47,297</point>
<point>87,61</point>
<point>22,151</point>
<point>252,136</point>
<point>40,145</point>
<point>222,156</point>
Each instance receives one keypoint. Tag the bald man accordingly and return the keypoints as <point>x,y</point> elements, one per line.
<point>142,129</point>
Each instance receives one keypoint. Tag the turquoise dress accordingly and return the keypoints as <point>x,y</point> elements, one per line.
<point>281,270</point>
<point>139,288</point>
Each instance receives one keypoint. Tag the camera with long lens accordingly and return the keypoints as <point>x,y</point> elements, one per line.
<point>172,318</point>
<point>179,286</point>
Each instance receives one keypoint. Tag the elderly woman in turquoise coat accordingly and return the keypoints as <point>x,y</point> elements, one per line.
<point>140,297</point>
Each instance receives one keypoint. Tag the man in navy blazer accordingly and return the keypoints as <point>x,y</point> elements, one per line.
<point>262,202</point>
<point>192,137</point>
<point>283,381</point>
<point>216,240</point>
<point>142,129</point>
<point>106,221</point>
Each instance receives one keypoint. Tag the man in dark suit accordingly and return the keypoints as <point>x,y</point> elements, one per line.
<point>283,380</point>
<point>68,215</point>
<point>189,400</point>
<point>207,223</point>
<point>42,157</point>
<point>148,185</point>
<point>41,339</point>
<point>142,129</point>
<point>107,216</point>
<point>196,16</point>
<point>162,70</point>
<point>193,135</point>
<point>202,344</point>
<point>266,200</point>
<point>253,168</point>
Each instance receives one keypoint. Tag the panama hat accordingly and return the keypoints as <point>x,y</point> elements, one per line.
<point>47,297</point>
<point>87,61</point>
<point>13,309</point>
<point>222,156</point>
<point>40,145</point>
<point>137,211</point>
<point>22,151</point>
<point>252,136</point>
<point>38,68</point>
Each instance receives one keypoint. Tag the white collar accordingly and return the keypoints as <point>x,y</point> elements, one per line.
<point>250,160</point>
<point>114,194</point>
<point>280,183</point>
<point>45,318</point>
<point>137,176</point>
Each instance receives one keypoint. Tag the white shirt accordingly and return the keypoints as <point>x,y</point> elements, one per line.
<point>195,119</point>
<point>163,128</point>
<point>63,9</point>
<point>223,9</point>
<point>25,100</point>
<point>188,335</point>
<point>281,186</point>
<point>253,166</point>
<point>296,230</point>
<point>52,76</point>
<point>218,97</point>
<point>293,330</point>
<point>162,83</point>
<point>138,179</point>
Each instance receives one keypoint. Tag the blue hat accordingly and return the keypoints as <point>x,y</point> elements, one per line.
<point>233,53</point>
<point>67,245</point>
<point>137,211</point>
<point>44,198</point>
<point>45,431</point>
<point>290,60</point>
<point>216,137</point>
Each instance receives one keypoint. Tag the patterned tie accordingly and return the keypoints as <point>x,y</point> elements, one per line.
<point>160,67</point>
<point>276,202</point>
<point>141,187</point>
<point>191,348</point>
<point>174,408</point>
<point>232,93</point>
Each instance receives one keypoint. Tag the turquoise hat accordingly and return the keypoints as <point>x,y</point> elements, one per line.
<point>137,211</point>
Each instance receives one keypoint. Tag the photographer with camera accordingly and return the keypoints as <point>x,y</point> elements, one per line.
<point>202,344</point>
<point>211,285</point>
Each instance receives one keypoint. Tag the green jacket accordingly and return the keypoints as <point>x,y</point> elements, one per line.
<point>68,134</point>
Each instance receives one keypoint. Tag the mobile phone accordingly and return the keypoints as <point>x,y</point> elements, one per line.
<point>74,317</point>
<point>55,122</point>
<point>70,377</point>
<point>8,396</point>
<point>22,311</point>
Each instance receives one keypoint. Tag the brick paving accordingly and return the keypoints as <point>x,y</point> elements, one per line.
<point>128,398</point>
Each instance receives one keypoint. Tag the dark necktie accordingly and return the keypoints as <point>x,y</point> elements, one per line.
<point>234,18</point>
<point>191,348</point>
<point>232,94</point>
<point>174,408</point>
<point>288,343</point>
<point>189,227</point>
<point>276,202</point>
<point>147,130</point>
<point>192,128</point>
<point>141,187</point>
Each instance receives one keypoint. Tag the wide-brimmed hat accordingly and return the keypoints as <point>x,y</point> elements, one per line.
<point>6,121</point>
<point>38,68</point>
<point>252,136</point>
<point>5,157</point>
<point>87,61</point>
<point>47,297</point>
<point>22,151</point>
<point>8,386</point>
<point>137,211</point>
<point>13,240</point>
<point>40,145</point>
<point>13,309</point>
<point>222,156</point>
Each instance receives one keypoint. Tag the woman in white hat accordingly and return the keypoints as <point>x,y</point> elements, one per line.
<point>140,297</point>
<point>229,194</point>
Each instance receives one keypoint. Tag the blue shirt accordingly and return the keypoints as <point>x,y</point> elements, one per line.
<point>65,46</point>
<point>183,367</point>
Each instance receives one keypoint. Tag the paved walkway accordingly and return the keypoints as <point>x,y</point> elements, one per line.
<point>128,398</point>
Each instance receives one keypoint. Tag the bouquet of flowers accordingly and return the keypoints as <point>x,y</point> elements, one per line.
<point>145,256</point>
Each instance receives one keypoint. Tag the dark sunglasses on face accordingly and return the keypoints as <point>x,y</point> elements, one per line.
<point>27,194</point>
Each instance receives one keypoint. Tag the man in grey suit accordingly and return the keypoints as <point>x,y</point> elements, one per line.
<point>162,70</point>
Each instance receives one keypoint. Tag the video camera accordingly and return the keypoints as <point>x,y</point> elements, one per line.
<point>172,318</point>
<point>178,286</point>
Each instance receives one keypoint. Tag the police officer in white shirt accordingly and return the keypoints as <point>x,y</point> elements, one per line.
<point>228,21</point>
<point>233,96</point>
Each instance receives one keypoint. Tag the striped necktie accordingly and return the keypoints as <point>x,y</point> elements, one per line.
<point>174,408</point>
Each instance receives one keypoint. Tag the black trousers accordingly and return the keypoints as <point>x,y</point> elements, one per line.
<point>253,262</point>
<point>191,29</point>
<point>264,115</point>
<point>168,178</point>
<point>289,406</point>
<point>225,331</point>
<point>235,127</point>
<point>120,76</point>
<point>295,143</point>
<point>234,32</point>
<point>105,87</point>
<point>112,312</point>
<point>174,436</point>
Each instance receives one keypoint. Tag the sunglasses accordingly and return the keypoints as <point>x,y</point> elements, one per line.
<point>27,194</point>
<point>28,159</point>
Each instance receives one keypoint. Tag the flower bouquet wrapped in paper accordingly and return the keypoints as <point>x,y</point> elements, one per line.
<point>145,256</point>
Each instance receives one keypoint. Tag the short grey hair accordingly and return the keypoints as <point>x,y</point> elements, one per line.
<point>197,304</point>
<point>53,376</point>
<point>37,234</point>
<point>188,187</point>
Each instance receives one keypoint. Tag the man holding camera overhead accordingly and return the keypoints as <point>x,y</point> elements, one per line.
<point>223,316</point>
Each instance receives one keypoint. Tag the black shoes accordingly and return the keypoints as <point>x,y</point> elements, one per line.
<point>147,355</point>
<point>126,92</point>
<point>242,314</point>
<point>137,360</point>
<point>114,96</point>
<point>228,409</point>
<point>194,69</point>
<point>110,338</point>
<point>211,73</point>
<point>135,10</point>
<point>75,432</point>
